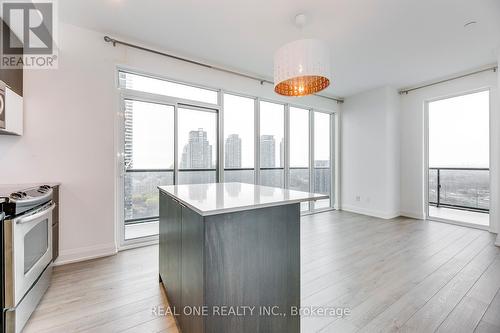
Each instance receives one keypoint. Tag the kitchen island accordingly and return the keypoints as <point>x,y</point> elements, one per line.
<point>230,256</point>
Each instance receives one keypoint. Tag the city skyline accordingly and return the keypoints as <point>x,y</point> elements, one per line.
<point>197,153</point>
<point>267,151</point>
<point>140,187</point>
<point>233,152</point>
<point>232,158</point>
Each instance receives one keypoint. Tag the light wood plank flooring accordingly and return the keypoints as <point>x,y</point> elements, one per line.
<point>398,275</point>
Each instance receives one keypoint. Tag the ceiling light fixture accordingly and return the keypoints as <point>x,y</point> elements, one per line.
<point>302,67</point>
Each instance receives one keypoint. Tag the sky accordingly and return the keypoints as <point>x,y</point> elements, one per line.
<point>153,134</point>
<point>321,136</point>
<point>299,138</point>
<point>272,122</point>
<point>459,131</point>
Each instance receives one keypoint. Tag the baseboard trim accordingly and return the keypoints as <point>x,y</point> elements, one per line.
<point>413,215</point>
<point>135,245</point>
<point>85,253</point>
<point>369,212</point>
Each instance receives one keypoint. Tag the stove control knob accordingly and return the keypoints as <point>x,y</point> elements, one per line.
<point>45,188</point>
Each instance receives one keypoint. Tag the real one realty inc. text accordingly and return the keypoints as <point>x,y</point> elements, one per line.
<point>246,310</point>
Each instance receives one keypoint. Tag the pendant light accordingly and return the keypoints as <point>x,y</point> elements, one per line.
<point>302,67</point>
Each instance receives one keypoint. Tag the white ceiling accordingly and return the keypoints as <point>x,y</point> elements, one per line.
<point>373,43</point>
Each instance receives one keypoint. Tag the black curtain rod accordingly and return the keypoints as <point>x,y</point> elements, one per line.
<point>406,91</point>
<point>113,41</point>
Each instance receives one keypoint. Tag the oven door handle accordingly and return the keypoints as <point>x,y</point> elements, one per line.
<point>35,216</point>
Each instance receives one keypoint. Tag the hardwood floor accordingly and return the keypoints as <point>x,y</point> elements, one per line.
<point>398,275</point>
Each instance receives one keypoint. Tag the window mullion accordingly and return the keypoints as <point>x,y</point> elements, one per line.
<point>311,156</point>
<point>176,141</point>
<point>220,141</point>
<point>257,141</point>
<point>332,156</point>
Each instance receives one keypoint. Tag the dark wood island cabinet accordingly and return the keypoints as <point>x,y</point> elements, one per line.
<point>230,256</point>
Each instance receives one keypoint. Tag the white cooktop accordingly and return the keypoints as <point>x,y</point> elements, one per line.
<point>218,198</point>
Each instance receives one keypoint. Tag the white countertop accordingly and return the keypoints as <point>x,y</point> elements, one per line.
<point>218,198</point>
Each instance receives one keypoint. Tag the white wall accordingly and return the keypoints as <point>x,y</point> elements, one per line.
<point>370,153</point>
<point>68,138</point>
<point>70,115</point>
<point>495,113</point>
<point>412,140</point>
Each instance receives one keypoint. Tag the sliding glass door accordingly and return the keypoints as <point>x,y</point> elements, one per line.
<point>149,157</point>
<point>169,136</point>
<point>149,161</point>
<point>458,159</point>
<point>311,154</point>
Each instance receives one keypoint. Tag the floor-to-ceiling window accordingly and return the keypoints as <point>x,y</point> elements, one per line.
<point>458,158</point>
<point>322,171</point>
<point>300,151</point>
<point>239,139</point>
<point>272,144</point>
<point>176,133</point>
<point>169,137</point>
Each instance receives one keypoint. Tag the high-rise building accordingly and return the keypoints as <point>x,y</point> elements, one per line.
<point>233,152</point>
<point>267,151</point>
<point>128,157</point>
<point>197,153</point>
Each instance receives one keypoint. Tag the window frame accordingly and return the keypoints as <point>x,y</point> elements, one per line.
<point>176,103</point>
<point>173,98</point>
<point>219,110</point>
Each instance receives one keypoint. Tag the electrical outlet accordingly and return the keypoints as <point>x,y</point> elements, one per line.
<point>358,198</point>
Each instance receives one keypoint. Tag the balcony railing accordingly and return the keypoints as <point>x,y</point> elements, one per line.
<point>141,193</point>
<point>460,188</point>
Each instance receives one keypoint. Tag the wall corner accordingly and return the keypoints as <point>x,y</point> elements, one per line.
<point>496,227</point>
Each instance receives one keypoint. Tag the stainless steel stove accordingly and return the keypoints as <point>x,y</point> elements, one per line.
<point>24,200</point>
<point>26,253</point>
